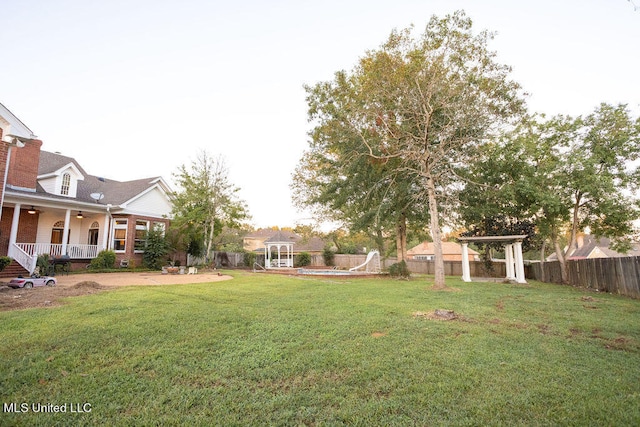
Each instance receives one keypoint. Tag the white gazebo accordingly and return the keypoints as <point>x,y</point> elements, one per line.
<point>278,251</point>
<point>512,250</point>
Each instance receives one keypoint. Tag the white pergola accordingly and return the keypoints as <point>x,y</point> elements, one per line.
<point>512,250</point>
<point>280,247</point>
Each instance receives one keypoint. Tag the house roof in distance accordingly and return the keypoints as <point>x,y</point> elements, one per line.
<point>300,243</point>
<point>448,248</point>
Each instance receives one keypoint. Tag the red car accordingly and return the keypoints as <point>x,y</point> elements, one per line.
<point>30,282</point>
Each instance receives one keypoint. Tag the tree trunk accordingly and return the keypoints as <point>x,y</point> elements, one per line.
<point>564,274</point>
<point>210,239</point>
<point>542,261</point>
<point>380,241</point>
<point>436,234</point>
<point>401,237</point>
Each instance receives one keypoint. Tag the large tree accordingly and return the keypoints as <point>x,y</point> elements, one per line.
<point>419,103</point>
<point>564,174</point>
<point>205,203</point>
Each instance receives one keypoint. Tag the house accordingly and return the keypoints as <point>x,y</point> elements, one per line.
<point>255,241</point>
<point>588,246</point>
<point>451,251</point>
<point>51,205</point>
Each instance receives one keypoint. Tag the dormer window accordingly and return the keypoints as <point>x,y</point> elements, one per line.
<point>66,184</point>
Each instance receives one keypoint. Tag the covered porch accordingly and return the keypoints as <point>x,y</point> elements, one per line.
<point>57,232</point>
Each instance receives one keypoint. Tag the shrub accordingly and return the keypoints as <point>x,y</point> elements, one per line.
<point>303,259</point>
<point>105,260</point>
<point>156,249</point>
<point>43,263</point>
<point>250,258</point>
<point>4,262</point>
<point>329,257</point>
<point>399,270</point>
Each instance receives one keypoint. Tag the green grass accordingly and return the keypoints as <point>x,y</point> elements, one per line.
<point>275,350</point>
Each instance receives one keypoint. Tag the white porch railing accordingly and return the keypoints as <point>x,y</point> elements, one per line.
<point>74,251</point>
<point>28,262</point>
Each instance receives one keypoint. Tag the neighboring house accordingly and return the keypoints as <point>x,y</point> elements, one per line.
<point>255,241</point>
<point>588,246</point>
<point>451,251</point>
<point>51,205</point>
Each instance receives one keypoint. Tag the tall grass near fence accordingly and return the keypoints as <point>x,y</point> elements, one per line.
<point>274,350</point>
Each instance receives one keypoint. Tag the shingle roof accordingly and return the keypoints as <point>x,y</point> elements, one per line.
<point>301,244</point>
<point>448,248</point>
<point>114,192</point>
<point>51,162</point>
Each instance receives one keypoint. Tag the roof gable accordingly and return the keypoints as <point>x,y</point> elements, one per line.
<point>12,125</point>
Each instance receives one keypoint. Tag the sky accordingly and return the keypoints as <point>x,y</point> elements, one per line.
<point>137,88</point>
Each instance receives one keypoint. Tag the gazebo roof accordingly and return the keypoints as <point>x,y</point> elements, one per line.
<point>281,237</point>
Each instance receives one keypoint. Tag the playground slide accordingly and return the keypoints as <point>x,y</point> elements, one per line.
<point>370,256</point>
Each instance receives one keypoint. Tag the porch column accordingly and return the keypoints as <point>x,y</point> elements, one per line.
<point>509,261</point>
<point>465,262</point>
<point>105,233</point>
<point>65,233</point>
<point>13,235</point>
<point>519,263</point>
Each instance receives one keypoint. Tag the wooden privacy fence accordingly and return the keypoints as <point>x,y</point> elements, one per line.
<point>614,275</point>
<point>451,268</point>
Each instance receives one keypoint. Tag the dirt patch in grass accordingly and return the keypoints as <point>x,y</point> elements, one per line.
<point>86,284</point>
<point>438,314</point>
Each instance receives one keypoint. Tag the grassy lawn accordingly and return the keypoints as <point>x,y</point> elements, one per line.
<point>276,350</point>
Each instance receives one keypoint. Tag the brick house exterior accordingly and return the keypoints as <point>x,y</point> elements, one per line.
<point>51,205</point>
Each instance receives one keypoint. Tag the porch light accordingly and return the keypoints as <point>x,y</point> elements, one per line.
<point>79,216</point>
<point>32,211</point>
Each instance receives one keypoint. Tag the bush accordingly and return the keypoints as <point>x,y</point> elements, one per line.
<point>43,263</point>
<point>303,259</point>
<point>4,262</point>
<point>105,260</point>
<point>329,257</point>
<point>156,249</point>
<point>250,258</point>
<point>399,270</point>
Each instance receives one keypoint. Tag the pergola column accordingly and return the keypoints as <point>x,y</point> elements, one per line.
<point>519,263</point>
<point>466,276</point>
<point>509,261</point>
<point>513,254</point>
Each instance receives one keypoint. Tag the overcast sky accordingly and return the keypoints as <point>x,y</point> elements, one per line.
<point>136,88</point>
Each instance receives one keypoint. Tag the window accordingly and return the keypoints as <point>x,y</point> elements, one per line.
<point>93,233</point>
<point>57,231</point>
<point>141,235</point>
<point>120,235</point>
<point>66,184</point>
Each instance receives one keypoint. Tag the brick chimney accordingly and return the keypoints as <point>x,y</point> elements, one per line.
<point>23,165</point>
